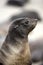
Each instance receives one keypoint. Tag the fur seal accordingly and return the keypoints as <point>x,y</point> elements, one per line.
<point>15,49</point>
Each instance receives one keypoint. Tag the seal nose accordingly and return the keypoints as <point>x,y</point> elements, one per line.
<point>33,22</point>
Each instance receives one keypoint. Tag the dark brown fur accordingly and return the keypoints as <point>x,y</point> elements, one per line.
<point>15,50</point>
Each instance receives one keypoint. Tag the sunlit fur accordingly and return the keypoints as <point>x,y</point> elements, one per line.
<point>15,50</point>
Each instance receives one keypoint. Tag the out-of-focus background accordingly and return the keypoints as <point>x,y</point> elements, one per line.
<point>13,9</point>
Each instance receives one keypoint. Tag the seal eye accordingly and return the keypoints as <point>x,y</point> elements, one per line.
<point>26,22</point>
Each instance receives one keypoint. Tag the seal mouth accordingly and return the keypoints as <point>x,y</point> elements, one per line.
<point>31,24</point>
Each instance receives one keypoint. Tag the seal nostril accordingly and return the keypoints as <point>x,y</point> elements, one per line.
<point>1,63</point>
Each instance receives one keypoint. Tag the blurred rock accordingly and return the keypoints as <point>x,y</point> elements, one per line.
<point>29,14</point>
<point>17,2</point>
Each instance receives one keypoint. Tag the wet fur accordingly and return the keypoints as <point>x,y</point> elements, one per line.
<point>15,50</point>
